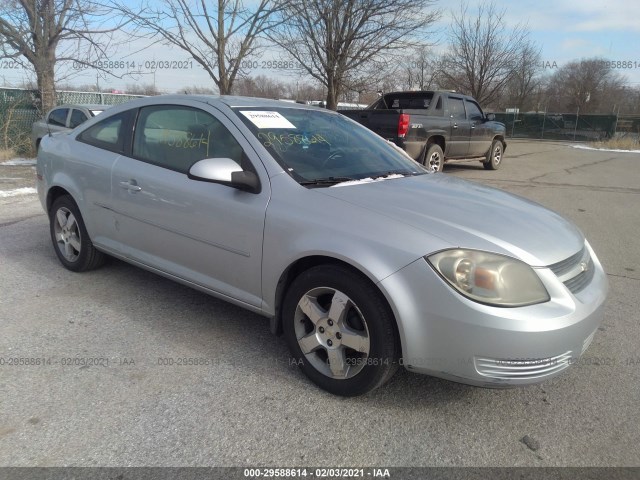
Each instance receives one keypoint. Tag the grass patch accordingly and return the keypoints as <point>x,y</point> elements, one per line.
<point>6,154</point>
<point>619,144</point>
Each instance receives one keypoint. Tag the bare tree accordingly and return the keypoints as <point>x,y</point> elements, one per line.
<point>43,34</point>
<point>199,90</point>
<point>218,35</point>
<point>267,87</point>
<point>525,80</point>
<point>303,90</point>
<point>421,70</point>
<point>383,74</point>
<point>261,86</point>
<point>587,85</point>
<point>483,52</point>
<point>142,89</point>
<point>331,40</point>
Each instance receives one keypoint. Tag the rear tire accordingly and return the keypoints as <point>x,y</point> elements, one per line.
<point>434,158</point>
<point>340,330</point>
<point>494,155</point>
<point>70,239</point>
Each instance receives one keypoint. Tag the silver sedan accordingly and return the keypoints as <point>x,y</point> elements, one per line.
<point>63,119</point>
<point>359,256</point>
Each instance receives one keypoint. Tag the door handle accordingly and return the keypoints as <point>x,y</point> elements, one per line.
<point>455,125</point>
<point>131,186</point>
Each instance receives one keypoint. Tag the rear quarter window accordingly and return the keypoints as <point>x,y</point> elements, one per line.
<point>58,117</point>
<point>109,134</point>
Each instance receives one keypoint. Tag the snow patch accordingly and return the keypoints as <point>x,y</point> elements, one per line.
<point>367,180</point>
<point>584,147</point>
<point>17,191</point>
<point>19,161</point>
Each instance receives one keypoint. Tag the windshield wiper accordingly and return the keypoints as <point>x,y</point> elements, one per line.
<point>327,181</point>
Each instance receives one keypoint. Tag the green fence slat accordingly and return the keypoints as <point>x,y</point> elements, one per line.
<point>559,126</point>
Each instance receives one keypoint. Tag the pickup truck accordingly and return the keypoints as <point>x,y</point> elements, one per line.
<point>435,126</point>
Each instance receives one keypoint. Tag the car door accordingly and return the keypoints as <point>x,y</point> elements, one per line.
<point>481,134</point>
<point>460,128</point>
<point>204,233</point>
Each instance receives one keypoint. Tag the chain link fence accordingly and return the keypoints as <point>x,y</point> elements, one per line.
<point>569,126</point>
<point>18,111</point>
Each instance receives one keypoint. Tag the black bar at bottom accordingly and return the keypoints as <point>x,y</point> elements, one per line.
<point>319,473</point>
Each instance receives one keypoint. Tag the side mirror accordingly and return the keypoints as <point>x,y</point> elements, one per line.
<point>490,117</point>
<point>226,172</point>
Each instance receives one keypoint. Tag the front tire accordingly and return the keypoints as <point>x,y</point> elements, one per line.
<point>70,239</point>
<point>434,158</point>
<point>340,330</point>
<point>494,155</point>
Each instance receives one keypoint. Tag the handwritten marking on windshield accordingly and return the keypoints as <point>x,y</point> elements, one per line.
<point>282,141</point>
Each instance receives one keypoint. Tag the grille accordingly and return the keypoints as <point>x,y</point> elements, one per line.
<point>576,272</point>
<point>521,369</point>
<point>580,281</point>
<point>565,266</point>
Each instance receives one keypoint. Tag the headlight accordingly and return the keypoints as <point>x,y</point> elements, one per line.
<point>490,278</point>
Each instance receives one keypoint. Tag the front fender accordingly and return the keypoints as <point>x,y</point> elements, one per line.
<point>301,223</point>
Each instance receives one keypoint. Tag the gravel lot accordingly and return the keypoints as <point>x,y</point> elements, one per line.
<point>251,407</point>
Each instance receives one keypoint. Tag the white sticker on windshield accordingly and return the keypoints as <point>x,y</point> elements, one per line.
<point>267,119</point>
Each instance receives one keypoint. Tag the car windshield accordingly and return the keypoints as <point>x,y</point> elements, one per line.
<point>320,148</point>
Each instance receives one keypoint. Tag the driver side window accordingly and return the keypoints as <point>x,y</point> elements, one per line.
<point>474,112</point>
<point>176,137</point>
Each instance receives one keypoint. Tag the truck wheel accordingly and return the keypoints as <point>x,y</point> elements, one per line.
<point>494,155</point>
<point>434,158</point>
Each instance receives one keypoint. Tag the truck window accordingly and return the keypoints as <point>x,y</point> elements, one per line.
<point>474,111</point>
<point>457,108</point>
<point>411,102</point>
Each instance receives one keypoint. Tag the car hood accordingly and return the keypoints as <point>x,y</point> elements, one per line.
<point>469,215</point>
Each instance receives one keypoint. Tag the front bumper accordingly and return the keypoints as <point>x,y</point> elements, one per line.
<point>447,335</point>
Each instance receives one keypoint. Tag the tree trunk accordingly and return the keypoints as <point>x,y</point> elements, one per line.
<point>224,86</point>
<point>46,87</point>
<point>332,94</point>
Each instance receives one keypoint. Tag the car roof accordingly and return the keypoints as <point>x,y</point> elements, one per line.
<point>227,100</point>
<point>234,101</point>
<point>88,106</point>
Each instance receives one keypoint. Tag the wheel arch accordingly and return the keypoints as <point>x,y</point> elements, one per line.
<point>437,138</point>
<point>61,183</point>
<point>303,264</point>
<point>501,138</point>
<point>55,192</point>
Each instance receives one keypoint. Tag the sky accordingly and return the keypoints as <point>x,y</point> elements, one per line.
<point>575,29</point>
<point>565,30</point>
